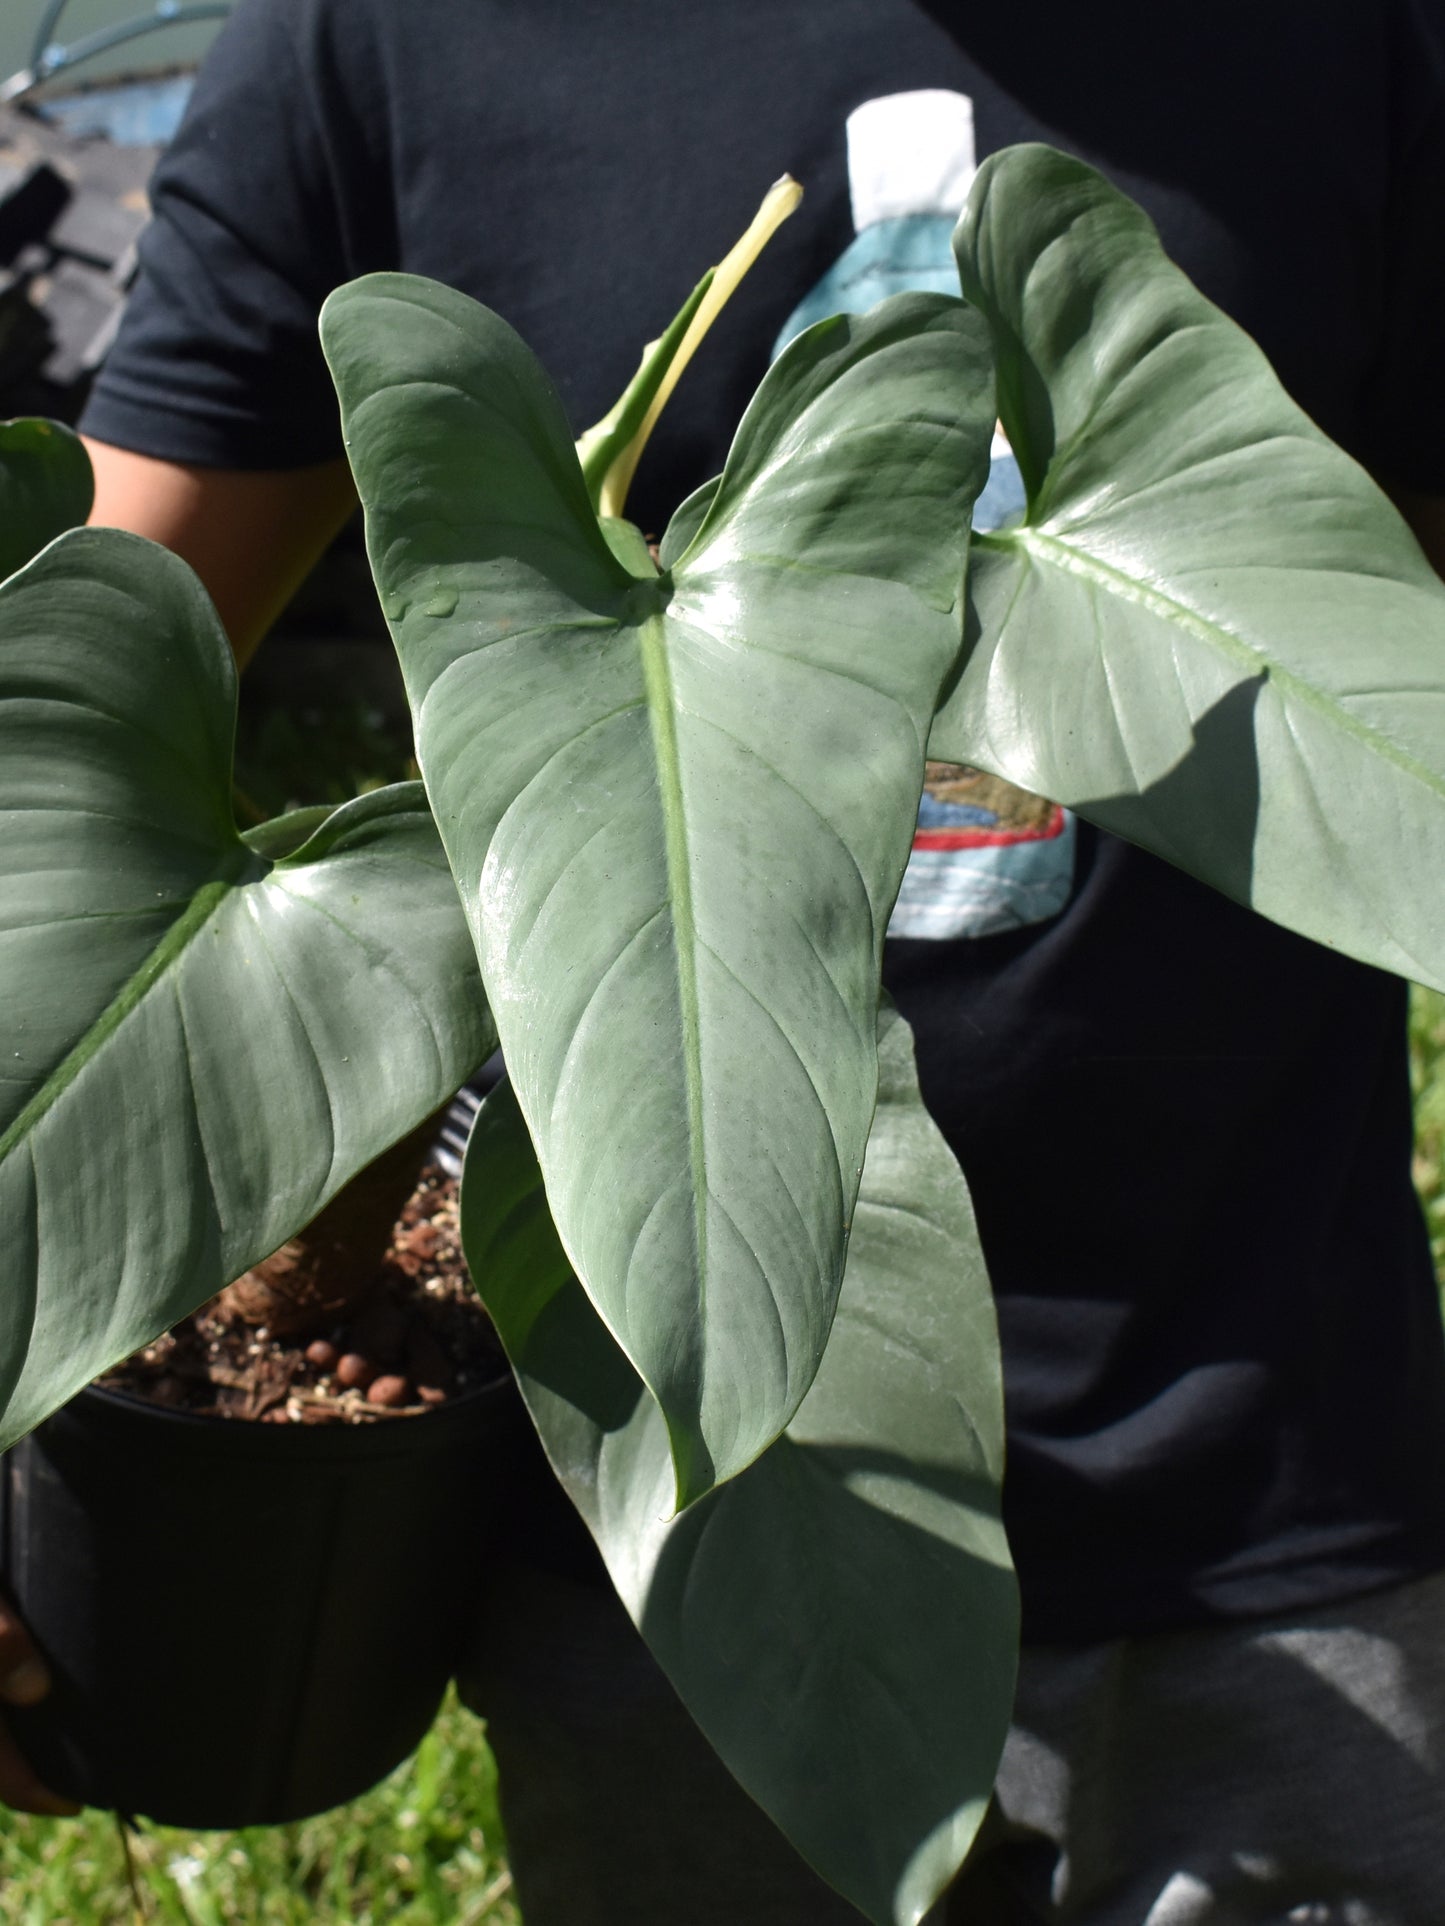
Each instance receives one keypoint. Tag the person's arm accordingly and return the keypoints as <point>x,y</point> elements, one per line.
<point>251,537</point>
<point>277,188</point>
<point>23,1680</point>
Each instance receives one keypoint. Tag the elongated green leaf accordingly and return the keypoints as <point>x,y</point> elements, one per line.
<point>45,488</point>
<point>678,805</point>
<point>1212,633</point>
<point>841,1619</point>
<point>198,1045</point>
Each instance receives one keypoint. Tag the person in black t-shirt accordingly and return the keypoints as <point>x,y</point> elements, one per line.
<point>1186,1131</point>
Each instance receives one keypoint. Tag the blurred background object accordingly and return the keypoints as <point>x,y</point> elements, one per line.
<point>58,53</point>
<point>94,90</point>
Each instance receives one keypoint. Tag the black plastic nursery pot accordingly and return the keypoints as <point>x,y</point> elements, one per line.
<point>246,1623</point>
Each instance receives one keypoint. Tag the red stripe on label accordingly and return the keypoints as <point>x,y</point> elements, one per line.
<point>988,838</point>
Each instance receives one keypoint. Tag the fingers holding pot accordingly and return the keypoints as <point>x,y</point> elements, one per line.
<point>24,1680</point>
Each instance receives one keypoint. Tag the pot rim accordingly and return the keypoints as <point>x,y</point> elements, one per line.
<point>486,1407</point>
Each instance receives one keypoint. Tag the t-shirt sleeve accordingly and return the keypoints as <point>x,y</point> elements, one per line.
<point>273,193</point>
<point>1403,418</point>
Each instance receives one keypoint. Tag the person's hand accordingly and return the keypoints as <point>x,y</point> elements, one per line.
<point>23,1681</point>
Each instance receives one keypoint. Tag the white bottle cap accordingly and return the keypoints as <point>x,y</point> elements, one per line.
<point>910,154</point>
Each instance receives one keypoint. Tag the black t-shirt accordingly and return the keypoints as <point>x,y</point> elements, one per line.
<point>1187,1132</point>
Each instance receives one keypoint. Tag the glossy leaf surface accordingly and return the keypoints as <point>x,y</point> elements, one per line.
<point>1212,633</point>
<point>45,487</point>
<point>841,1619</point>
<point>198,1045</point>
<point>678,805</point>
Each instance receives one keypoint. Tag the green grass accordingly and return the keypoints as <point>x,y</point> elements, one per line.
<point>424,1848</point>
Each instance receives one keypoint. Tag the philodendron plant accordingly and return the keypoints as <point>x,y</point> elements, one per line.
<point>670,804</point>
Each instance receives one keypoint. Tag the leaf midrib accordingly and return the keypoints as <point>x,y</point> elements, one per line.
<point>662,716</point>
<point>193,918</point>
<point>1038,546</point>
